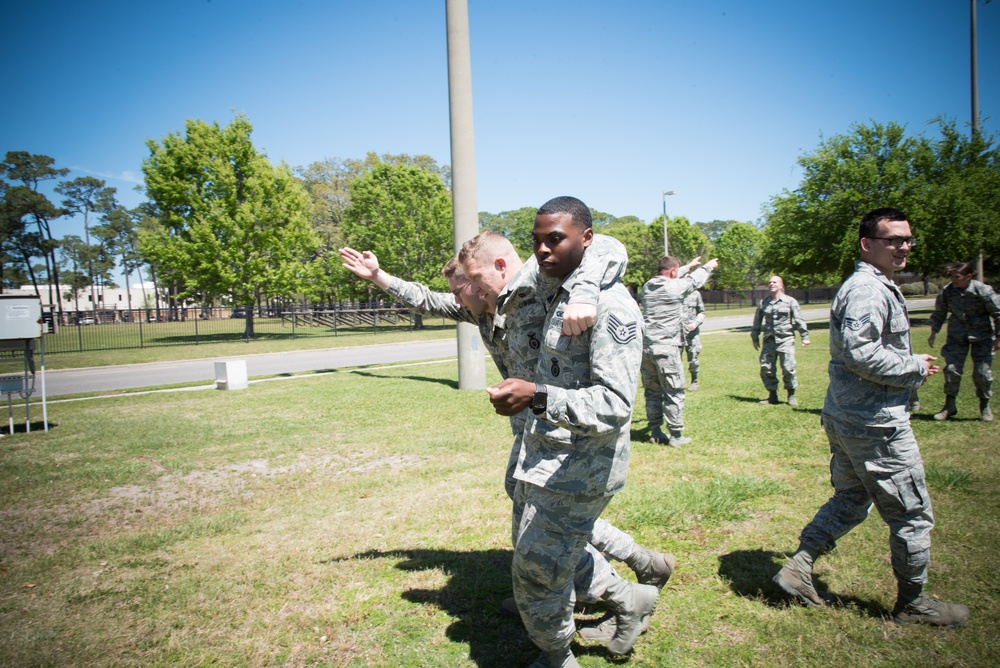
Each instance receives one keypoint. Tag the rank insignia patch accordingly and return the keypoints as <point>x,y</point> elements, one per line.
<point>622,332</point>
<point>854,324</point>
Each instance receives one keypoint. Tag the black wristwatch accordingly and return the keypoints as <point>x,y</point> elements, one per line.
<point>540,400</point>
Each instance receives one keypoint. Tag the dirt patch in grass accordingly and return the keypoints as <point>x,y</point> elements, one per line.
<point>36,530</point>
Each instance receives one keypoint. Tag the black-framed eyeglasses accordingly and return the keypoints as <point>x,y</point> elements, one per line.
<point>898,242</point>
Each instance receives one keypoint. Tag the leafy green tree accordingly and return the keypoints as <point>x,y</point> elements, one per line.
<point>403,214</point>
<point>328,183</point>
<point>739,253</point>
<point>714,229</point>
<point>119,235</point>
<point>230,222</point>
<point>31,205</point>
<point>83,196</point>
<point>947,186</point>
<point>517,225</point>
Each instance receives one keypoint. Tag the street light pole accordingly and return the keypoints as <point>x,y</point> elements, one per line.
<point>975,102</point>
<point>666,242</point>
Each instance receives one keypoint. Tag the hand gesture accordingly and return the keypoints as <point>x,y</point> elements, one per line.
<point>930,340</point>
<point>578,318</point>
<point>931,368</point>
<point>511,396</point>
<point>364,265</point>
<point>713,264</point>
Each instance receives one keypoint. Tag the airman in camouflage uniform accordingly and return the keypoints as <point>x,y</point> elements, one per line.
<point>778,317</point>
<point>694,315</point>
<point>974,325</point>
<point>662,367</point>
<point>574,454</point>
<point>875,458</point>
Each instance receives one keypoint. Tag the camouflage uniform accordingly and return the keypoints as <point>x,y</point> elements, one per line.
<point>526,295</point>
<point>418,297</point>
<point>778,319</point>
<point>694,311</point>
<point>974,325</point>
<point>875,458</point>
<point>662,367</point>
<point>574,457</point>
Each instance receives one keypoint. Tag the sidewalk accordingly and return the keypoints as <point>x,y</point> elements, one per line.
<point>133,376</point>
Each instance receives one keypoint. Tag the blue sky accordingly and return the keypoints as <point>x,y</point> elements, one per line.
<point>613,102</point>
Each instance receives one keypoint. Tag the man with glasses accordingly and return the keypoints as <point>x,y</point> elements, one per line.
<point>778,316</point>
<point>973,326</point>
<point>875,458</point>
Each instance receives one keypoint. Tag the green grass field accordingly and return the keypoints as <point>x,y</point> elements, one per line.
<point>359,519</point>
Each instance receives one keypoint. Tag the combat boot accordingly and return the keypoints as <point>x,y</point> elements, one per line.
<point>772,398</point>
<point>651,568</point>
<point>795,578</point>
<point>657,436</point>
<point>633,605</point>
<point>913,607</point>
<point>560,658</point>
<point>676,440</point>
<point>792,401</point>
<point>694,383</point>
<point>985,414</point>
<point>949,409</point>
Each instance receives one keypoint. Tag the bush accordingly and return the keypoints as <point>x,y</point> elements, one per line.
<point>912,289</point>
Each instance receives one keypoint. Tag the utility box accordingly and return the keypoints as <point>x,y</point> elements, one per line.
<point>231,375</point>
<point>20,317</point>
<point>20,337</point>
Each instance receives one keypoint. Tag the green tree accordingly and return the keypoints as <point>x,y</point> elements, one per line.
<point>947,186</point>
<point>83,196</point>
<point>403,214</point>
<point>119,235</point>
<point>28,204</point>
<point>739,253</point>
<point>517,225</point>
<point>230,222</point>
<point>76,259</point>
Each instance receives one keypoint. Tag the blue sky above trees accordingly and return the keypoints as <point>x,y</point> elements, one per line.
<point>612,103</point>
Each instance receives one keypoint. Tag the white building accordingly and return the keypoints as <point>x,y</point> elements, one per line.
<point>114,299</point>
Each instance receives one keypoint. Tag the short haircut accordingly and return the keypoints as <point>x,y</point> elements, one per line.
<point>577,210</point>
<point>870,221</point>
<point>451,267</point>
<point>667,263</point>
<point>963,268</point>
<point>485,244</point>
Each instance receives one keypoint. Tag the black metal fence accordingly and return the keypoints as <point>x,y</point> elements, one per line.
<point>82,331</point>
<point>726,299</point>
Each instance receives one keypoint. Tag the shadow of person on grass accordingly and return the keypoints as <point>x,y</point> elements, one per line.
<point>478,582</point>
<point>453,384</point>
<point>749,574</point>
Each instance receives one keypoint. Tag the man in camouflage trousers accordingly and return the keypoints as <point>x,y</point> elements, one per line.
<point>465,304</point>
<point>973,325</point>
<point>575,450</point>
<point>694,315</point>
<point>662,367</point>
<point>875,458</point>
<point>778,317</point>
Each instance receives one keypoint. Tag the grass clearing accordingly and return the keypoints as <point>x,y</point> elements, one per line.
<point>360,520</point>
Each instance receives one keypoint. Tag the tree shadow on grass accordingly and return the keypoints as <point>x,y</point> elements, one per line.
<point>749,573</point>
<point>422,379</point>
<point>478,582</point>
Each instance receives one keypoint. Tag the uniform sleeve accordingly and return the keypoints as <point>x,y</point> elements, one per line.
<point>797,322</point>
<point>992,303</point>
<point>863,324</point>
<point>418,297</point>
<point>604,262</point>
<point>699,307</point>
<point>940,313</point>
<point>615,355</point>
<point>758,319</point>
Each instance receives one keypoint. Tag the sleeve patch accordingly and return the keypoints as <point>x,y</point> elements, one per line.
<point>622,332</point>
<point>854,324</point>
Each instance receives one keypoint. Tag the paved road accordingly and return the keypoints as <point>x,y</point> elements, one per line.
<point>133,376</point>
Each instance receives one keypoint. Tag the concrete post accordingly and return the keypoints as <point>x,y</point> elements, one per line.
<point>471,357</point>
